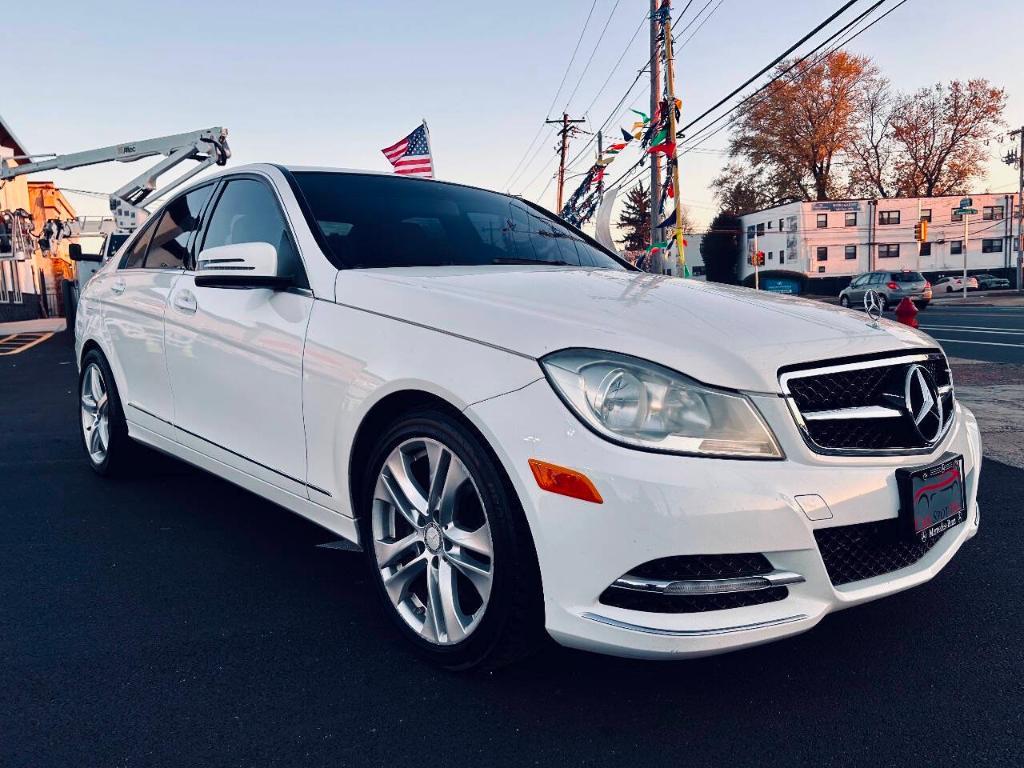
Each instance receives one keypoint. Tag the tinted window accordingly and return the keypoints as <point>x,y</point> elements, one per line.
<point>169,248</point>
<point>247,212</point>
<point>137,252</point>
<point>907,277</point>
<point>382,221</point>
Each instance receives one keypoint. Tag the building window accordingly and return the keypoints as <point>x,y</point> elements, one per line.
<point>954,216</point>
<point>822,253</point>
<point>956,247</point>
<point>782,257</point>
<point>821,269</point>
<point>992,245</point>
<point>780,225</point>
<point>771,254</point>
<point>851,219</point>
<point>760,228</point>
<point>769,224</point>
<point>851,252</point>
<point>992,212</point>
<point>926,249</point>
<point>822,220</point>
<point>888,217</point>
<point>750,232</point>
<point>889,251</point>
<point>926,215</point>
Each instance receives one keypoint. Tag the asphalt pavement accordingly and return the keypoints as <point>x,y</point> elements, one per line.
<point>994,334</point>
<point>171,619</point>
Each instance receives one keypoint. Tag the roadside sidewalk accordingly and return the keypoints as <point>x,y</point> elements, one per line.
<point>46,325</point>
<point>995,392</point>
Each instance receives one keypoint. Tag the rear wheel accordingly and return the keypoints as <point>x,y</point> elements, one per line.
<point>883,302</point>
<point>921,304</point>
<point>103,427</point>
<point>448,545</point>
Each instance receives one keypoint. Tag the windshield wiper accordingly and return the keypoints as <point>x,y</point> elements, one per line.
<point>501,260</point>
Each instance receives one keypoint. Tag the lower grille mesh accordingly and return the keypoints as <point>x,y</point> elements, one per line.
<point>856,552</point>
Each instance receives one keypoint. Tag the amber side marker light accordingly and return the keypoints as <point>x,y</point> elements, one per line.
<point>564,481</point>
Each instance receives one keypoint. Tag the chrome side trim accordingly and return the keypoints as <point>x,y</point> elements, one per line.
<point>692,632</point>
<point>708,586</point>
<point>860,412</point>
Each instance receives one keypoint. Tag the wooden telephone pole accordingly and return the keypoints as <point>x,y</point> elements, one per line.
<point>674,158</point>
<point>655,67</point>
<point>563,148</point>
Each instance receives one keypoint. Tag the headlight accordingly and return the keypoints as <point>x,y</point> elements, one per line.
<point>643,405</point>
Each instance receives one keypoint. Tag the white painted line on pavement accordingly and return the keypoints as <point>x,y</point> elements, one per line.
<point>983,343</point>
<point>971,329</point>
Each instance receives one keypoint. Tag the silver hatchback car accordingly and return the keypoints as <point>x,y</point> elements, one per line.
<point>891,287</point>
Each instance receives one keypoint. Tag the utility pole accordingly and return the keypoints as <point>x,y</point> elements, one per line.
<point>655,67</point>
<point>1019,159</point>
<point>563,147</point>
<point>670,100</point>
<point>600,154</point>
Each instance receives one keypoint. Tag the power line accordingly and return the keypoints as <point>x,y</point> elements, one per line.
<point>558,92</point>
<point>586,67</point>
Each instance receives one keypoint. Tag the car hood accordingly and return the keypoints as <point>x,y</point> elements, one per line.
<point>722,335</point>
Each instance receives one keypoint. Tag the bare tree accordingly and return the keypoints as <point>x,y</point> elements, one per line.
<point>871,148</point>
<point>940,135</point>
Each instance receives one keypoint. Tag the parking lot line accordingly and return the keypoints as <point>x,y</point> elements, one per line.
<point>983,343</point>
<point>31,339</point>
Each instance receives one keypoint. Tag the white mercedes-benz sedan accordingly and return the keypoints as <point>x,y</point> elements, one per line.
<point>521,432</point>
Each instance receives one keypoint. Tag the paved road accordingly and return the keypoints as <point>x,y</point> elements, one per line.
<point>994,334</point>
<point>175,620</point>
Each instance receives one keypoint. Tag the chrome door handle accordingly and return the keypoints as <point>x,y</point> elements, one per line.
<point>117,286</point>
<point>185,301</point>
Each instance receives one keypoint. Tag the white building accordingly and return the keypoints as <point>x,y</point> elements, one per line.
<point>823,244</point>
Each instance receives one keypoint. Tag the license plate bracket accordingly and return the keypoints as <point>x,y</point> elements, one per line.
<point>933,499</point>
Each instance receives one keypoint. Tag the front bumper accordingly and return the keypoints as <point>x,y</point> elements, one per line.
<point>658,505</point>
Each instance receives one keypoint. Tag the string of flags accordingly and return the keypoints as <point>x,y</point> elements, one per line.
<point>652,133</point>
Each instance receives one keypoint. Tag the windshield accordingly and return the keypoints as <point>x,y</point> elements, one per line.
<point>907,277</point>
<point>384,221</point>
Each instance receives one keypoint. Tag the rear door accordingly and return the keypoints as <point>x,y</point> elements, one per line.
<point>235,355</point>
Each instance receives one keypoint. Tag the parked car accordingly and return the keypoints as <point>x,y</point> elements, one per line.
<point>991,282</point>
<point>521,432</point>
<point>891,288</point>
<point>954,283</point>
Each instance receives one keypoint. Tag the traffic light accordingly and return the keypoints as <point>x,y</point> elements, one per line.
<point>921,231</point>
<point>758,259</point>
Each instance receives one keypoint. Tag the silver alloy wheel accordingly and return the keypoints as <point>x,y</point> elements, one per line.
<point>95,419</point>
<point>432,541</point>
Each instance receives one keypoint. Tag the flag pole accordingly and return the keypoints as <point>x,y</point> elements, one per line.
<point>430,147</point>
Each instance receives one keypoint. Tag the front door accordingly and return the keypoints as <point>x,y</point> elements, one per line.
<point>235,355</point>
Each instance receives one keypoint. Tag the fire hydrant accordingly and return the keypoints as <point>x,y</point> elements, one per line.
<point>906,312</point>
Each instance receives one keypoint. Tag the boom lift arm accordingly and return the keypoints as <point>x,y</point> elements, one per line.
<point>207,146</point>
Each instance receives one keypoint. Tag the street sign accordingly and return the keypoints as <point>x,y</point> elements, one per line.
<point>966,202</point>
<point>968,211</point>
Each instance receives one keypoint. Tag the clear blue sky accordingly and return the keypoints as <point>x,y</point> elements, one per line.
<point>331,82</point>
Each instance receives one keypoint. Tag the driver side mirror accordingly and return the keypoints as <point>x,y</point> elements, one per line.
<point>75,253</point>
<point>241,265</point>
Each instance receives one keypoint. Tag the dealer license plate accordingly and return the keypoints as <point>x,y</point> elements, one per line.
<point>932,499</point>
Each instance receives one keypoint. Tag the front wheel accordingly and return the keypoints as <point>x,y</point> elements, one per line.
<point>448,545</point>
<point>844,302</point>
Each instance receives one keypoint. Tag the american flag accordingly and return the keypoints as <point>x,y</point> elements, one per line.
<point>411,155</point>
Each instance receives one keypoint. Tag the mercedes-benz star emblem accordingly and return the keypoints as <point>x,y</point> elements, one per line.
<point>872,306</point>
<point>923,404</point>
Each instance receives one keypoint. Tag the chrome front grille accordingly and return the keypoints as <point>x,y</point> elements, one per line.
<point>871,406</point>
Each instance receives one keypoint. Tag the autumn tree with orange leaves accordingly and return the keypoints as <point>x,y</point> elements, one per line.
<point>835,127</point>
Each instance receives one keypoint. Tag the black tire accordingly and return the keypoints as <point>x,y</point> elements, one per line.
<point>949,289</point>
<point>512,624</point>
<point>921,305</point>
<point>119,447</point>
<point>883,302</point>
<point>844,301</point>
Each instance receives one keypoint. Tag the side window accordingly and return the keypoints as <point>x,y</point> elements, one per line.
<point>137,251</point>
<point>169,248</point>
<point>248,212</point>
